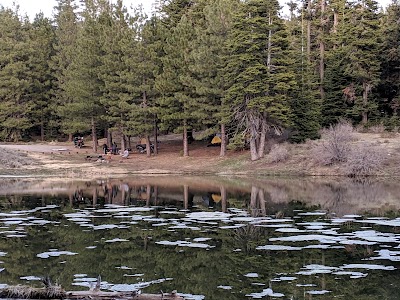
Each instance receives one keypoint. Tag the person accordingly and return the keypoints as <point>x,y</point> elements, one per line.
<point>125,154</point>
<point>114,148</point>
<point>105,148</point>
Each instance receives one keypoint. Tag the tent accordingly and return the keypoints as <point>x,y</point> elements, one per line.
<point>216,141</point>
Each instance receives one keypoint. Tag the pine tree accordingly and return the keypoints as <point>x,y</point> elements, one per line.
<point>305,98</point>
<point>362,42</point>
<point>84,86</point>
<point>16,51</point>
<point>206,68</point>
<point>389,87</point>
<point>177,100</point>
<point>42,39</point>
<point>143,117</point>
<point>257,73</point>
<point>120,70</point>
<point>65,45</point>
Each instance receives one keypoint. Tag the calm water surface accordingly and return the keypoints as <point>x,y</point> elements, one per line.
<point>207,238</point>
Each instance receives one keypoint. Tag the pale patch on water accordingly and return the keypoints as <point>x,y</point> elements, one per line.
<point>224,287</point>
<point>185,244</point>
<point>118,209</point>
<point>31,278</point>
<point>207,216</point>
<point>313,213</point>
<point>285,278</point>
<point>124,268</point>
<point>324,239</point>
<point>387,255</point>
<point>266,292</point>
<point>306,285</point>
<point>116,240</point>
<point>278,248</point>
<point>369,267</point>
<point>251,275</point>
<point>135,286</point>
<point>133,275</point>
<point>316,269</point>
<point>318,292</point>
<point>192,297</point>
<point>232,226</point>
<point>16,235</point>
<point>288,229</point>
<point>393,223</point>
<point>201,239</point>
<point>55,253</point>
<point>79,220</point>
<point>107,226</point>
<point>353,275</point>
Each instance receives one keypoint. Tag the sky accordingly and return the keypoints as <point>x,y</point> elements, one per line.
<point>32,7</point>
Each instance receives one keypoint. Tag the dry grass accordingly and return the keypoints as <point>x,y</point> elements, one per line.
<point>15,159</point>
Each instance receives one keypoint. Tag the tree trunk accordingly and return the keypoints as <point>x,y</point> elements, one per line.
<point>253,149</point>
<point>155,136</point>
<point>253,142</point>
<point>148,147</point>
<point>263,205</point>
<point>223,199</point>
<point>128,142</point>
<point>253,201</point>
<point>95,197</point>
<point>155,196</point>
<point>148,195</point>
<point>263,137</point>
<point>223,141</point>
<point>366,90</point>
<point>322,52</point>
<point>109,138</point>
<point>42,130</point>
<point>185,141</point>
<point>94,136</point>
<point>70,137</point>
<point>309,31</point>
<point>123,143</point>
<point>186,196</point>
<point>269,44</point>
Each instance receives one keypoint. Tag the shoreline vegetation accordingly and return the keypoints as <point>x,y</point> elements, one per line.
<point>340,152</point>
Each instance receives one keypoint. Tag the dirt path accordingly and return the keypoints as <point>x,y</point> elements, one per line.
<point>66,160</point>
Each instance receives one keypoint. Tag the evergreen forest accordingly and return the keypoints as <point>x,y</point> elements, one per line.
<point>234,67</point>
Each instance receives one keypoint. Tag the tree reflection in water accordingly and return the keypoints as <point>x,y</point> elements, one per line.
<point>218,237</point>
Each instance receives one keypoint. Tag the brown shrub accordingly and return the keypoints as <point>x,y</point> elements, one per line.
<point>365,159</point>
<point>334,145</point>
<point>278,153</point>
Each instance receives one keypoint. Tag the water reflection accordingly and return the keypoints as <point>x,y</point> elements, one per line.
<point>338,196</point>
<point>212,238</point>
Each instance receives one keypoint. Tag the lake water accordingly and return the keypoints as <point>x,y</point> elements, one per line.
<point>206,237</point>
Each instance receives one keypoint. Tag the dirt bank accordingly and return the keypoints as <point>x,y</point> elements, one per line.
<point>63,159</point>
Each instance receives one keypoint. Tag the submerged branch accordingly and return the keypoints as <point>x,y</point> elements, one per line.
<point>56,292</point>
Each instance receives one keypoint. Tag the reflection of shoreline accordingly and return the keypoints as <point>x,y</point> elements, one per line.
<point>336,195</point>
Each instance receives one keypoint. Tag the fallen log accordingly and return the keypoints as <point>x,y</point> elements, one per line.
<point>121,295</point>
<point>56,292</point>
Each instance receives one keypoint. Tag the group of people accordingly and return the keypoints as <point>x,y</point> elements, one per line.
<point>114,150</point>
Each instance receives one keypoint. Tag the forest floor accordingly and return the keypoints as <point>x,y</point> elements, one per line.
<point>62,159</point>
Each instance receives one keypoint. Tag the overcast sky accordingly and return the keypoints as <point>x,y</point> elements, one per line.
<point>32,7</point>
